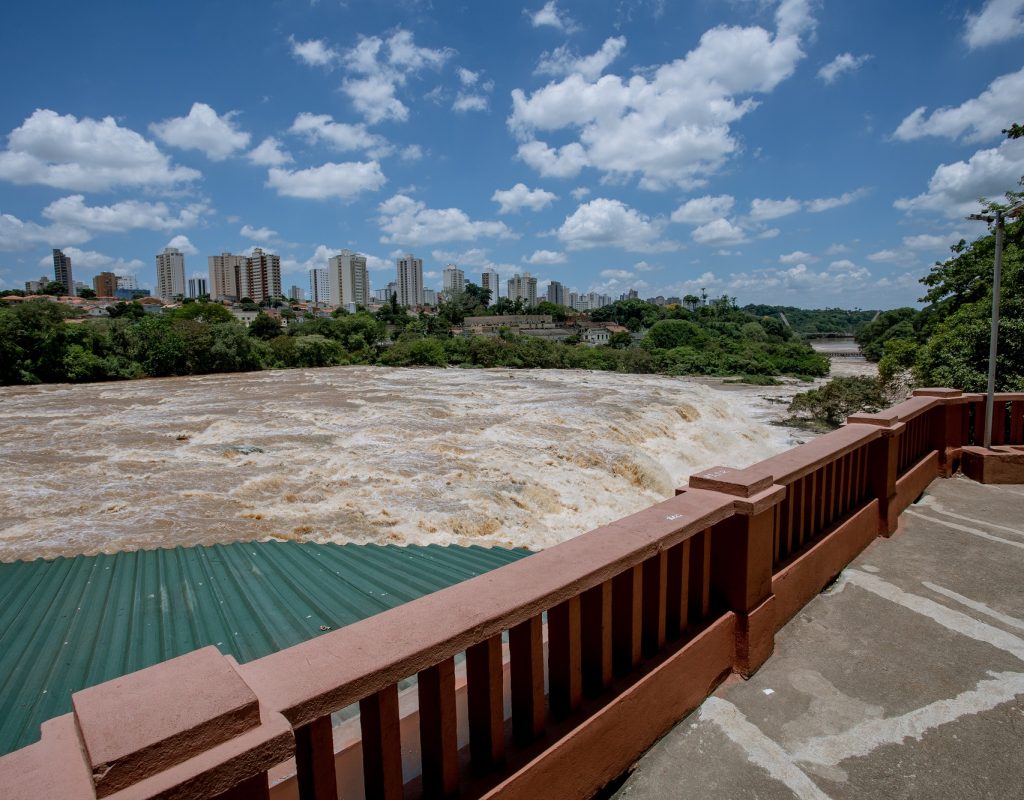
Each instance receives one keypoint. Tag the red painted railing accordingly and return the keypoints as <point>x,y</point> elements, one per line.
<point>575,659</point>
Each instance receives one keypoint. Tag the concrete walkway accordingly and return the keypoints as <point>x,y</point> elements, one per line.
<point>905,679</point>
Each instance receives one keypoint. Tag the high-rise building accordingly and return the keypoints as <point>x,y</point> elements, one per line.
<point>127,282</point>
<point>349,279</point>
<point>225,276</point>
<point>409,278</point>
<point>573,301</point>
<point>260,279</point>
<point>523,287</point>
<point>489,279</point>
<point>453,280</point>
<point>62,271</point>
<point>35,287</point>
<point>197,287</point>
<point>384,295</point>
<point>105,284</point>
<point>170,273</point>
<point>556,293</point>
<point>297,293</point>
<point>319,287</point>
<point>429,297</point>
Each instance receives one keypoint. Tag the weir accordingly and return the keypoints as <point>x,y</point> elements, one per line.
<point>576,659</point>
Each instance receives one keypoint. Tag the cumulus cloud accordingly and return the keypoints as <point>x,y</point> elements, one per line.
<point>564,61</point>
<point>982,117</point>
<point>184,244</point>
<point>340,136</point>
<point>681,110</point>
<point>343,181</point>
<point>769,233</point>
<point>412,152</point>
<point>314,52</point>
<point>469,102</point>
<point>699,210</point>
<point>551,16</point>
<point>85,155</point>
<point>611,223</point>
<point>954,189</point>
<point>204,130</point>
<point>519,197</point>
<point>828,203</point>
<point>546,257</point>
<point>998,21</point>
<point>580,192</point>
<point>410,223</point>
<point>269,153</point>
<point>844,62</point>
<point>16,234</point>
<point>719,232</point>
<point>474,256</point>
<point>257,234</point>
<point>378,67</point>
<point>796,257</point>
<point>765,209</point>
<point>124,216</point>
<point>91,259</point>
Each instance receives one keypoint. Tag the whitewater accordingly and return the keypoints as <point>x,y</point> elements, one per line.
<point>522,458</point>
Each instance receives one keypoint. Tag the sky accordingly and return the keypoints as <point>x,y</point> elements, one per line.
<point>805,152</point>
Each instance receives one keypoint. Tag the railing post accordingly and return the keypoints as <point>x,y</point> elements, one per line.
<point>314,760</point>
<point>884,465</point>
<point>743,548</point>
<point>947,428</point>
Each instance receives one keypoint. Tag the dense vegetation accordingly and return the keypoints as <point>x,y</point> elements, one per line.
<point>40,341</point>
<point>819,321</point>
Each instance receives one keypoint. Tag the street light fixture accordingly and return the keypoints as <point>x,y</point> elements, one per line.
<point>996,217</point>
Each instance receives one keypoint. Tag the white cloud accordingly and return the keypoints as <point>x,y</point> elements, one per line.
<point>410,223</point>
<point>343,181</point>
<point>85,155</point>
<point>469,102</point>
<point>124,216</point>
<point>769,233</point>
<point>18,235</point>
<point>314,52</point>
<point>184,244</point>
<point>927,241</point>
<point>982,117</point>
<point>618,274</point>
<point>844,62</point>
<point>703,209</point>
<point>890,257</point>
<point>681,111</point>
<point>204,130</point>
<point>999,21</point>
<point>580,192</point>
<point>519,197</point>
<point>475,256</point>
<point>378,68</point>
<point>258,234</point>
<point>954,189</point>
<point>796,257</point>
<point>828,203</point>
<point>611,223</point>
<point>268,153</point>
<point>546,257</point>
<point>564,61</point>
<point>467,77</point>
<point>552,17</point>
<point>339,135</point>
<point>90,259</point>
<point>837,249</point>
<point>764,209</point>
<point>412,152</point>
<point>719,232</point>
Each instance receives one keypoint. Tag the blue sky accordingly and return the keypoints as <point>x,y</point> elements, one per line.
<point>798,152</point>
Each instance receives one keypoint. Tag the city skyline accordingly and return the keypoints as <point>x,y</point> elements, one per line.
<point>793,152</point>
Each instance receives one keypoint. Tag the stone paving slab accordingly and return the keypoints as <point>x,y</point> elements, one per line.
<point>904,679</point>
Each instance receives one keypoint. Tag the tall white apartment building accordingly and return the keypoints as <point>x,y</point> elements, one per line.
<point>489,279</point>
<point>523,287</point>
<point>197,287</point>
<point>261,278</point>
<point>127,282</point>
<point>429,297</point>
<point>225,276</point>
<point>453,280</point>
<point>349,279</point>
<point>319,287</point>
<point>409,277</point>
<point>170,273</point>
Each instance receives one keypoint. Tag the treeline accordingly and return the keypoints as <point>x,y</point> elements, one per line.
<point>42,341</point>
<point>811,321</point>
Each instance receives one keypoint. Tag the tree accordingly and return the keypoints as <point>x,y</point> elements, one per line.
<point>264,327</point>
<point>54,288</point>
<point>204,312</point>
<point>832,403</point>
<point>87,294</point>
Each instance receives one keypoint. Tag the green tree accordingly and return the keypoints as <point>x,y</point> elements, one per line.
<point>264,327</point>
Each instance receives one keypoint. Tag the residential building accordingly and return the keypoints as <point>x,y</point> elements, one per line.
<point>35,287</point>
<point>384,295</point>
<point>62,271</point>
<point>523,287</point>
<point>127,282</point>
<point>410,280</point>
<point>453,280</point>
<point>320,287</point>
<point>261,278</point>
<point>197,287</point>
<point>349,281</point>
<point>297,293</point>
<point>429,297</point>
<point>105,284</point>
<point>489,279</point>
<point>170,273</point>
<point>556,293</point>
<point>79,285</point>
<point>225,276</point>
<point>130,294</point>
<point>573,301</point>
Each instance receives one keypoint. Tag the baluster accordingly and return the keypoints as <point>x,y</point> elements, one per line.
<point>314,760</point>
<point>700,577</point>
<point>655,600</point>
<point>526,648</point>
<point>677,591</point>
<point>382,745</point>
<point>486,703</point>
<point>596,638</point>
<point>565,665</point>
<point>1016,422</point>
<point>627,612</point>
<point>439,735</point>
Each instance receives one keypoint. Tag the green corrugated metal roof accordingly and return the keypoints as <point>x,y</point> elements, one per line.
<point>74,622</point>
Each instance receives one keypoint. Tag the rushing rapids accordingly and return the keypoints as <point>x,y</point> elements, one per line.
<point>522,458</point>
